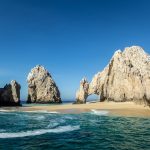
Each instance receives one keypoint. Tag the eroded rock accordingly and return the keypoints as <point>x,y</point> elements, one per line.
<point>41,87</point>
<point>82,93</point>
<point>125,78</point>
<point>10,94</point>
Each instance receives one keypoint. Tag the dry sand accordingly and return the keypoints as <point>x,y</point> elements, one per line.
<point>121,109</point>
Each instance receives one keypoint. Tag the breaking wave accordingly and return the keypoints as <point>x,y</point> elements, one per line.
<point>99,112</point>
<point>40,118</point>
<point>38,132</point>
<point>5,111</point>
<point>55,122</point>
<point>43,111</point>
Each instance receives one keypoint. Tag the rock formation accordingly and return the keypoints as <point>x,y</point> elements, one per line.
<point>125,78</point>
<point>82,93</point>
<point>10,94</point>
<point>41,87</point>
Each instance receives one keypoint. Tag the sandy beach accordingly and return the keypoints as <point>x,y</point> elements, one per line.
<point>118,109</point>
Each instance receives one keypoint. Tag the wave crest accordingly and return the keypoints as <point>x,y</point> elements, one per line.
<point>38,132</point>
<point>42,111</point>
<point>99,112</point>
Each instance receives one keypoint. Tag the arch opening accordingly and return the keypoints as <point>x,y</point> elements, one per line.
<point>93,98</point>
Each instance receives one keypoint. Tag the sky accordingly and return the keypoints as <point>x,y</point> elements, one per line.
<point>70,38</point>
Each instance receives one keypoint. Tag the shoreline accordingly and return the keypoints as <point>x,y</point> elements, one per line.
<point>128,109</point>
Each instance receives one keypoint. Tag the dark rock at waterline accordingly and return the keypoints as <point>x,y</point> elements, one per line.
<point>10,94</point>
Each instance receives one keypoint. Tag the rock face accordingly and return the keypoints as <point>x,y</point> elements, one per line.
<point>10,94</point>
<point>82,93</point>
<point>41,87</point>
<point>125,78</point>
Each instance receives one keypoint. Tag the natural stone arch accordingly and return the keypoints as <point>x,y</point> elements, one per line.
<point>85,91</point>
<point>125,78</point>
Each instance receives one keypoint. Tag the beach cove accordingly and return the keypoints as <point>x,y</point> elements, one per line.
<point>128,109</point>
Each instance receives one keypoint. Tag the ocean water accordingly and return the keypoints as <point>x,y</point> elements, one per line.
<point>36,104</point>
<point>92,130</point>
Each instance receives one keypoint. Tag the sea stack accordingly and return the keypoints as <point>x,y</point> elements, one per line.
<point>10,94</point>
<point>41,87</point>
<point>82,93</point>
<point>125,78</point>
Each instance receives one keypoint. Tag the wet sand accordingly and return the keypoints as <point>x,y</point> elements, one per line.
<point>118,109</point>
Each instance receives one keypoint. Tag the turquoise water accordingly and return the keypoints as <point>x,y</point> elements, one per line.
<point>36,104</point>
<point>92,130</point>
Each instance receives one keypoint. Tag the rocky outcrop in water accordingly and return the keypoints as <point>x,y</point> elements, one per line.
<point>10,94</point>
<point>41,87</point>
<point>125,78</point>
<point>82,93</point>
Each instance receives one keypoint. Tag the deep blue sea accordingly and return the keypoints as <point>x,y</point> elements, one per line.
<point>92,130</point>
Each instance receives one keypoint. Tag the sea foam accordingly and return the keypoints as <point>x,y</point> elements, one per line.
<point>5,110</point>
<point>99,112</point>
<point>42,111</point>
<point>38,132</point>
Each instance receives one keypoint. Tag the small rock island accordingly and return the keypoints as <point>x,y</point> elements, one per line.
<point>125,78</point>
<point>10,94</point>
<point>41,87</point>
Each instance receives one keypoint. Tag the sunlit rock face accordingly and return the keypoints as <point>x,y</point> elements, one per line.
<point>41,87</point>
<point>82,93</point>
<point>125,78</point>
<point>10,94</point>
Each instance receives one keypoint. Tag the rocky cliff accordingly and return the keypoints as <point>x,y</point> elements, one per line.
<point>41,87</point>
<point>10,94</point>
<point>125,78</point>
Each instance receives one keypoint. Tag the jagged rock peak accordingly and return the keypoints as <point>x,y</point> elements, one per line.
<point>84,80</point>
<point>125,78</point>
<point>134,50</point>
<point>10,94</point>
<point>41,87</point>
<point>37,69</point>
